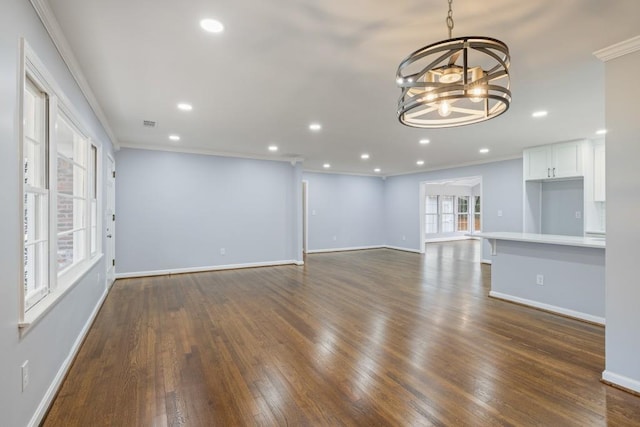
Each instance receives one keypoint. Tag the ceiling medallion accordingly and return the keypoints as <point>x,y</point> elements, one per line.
<point>454,82</point>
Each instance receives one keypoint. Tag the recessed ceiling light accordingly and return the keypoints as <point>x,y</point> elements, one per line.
<point>420,162</point>
<point>212,26</point>
<point>484,150</point>
<point>364,156</point>
<point>538,114</point>
<point>273,148</point>
<point>315,127</point>
<point>424,141</point>
<point>377,170</point>
<point>601,132</point>
<point>185,107</point>
<point>174,137</point>
<point>326,166</point>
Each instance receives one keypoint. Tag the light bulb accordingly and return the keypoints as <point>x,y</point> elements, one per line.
<point>444,109</point>
<point>477,94</point>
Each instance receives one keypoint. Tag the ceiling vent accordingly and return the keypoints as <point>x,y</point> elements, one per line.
<point>149,123</point>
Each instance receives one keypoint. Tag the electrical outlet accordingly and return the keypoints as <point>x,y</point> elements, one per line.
<point>499,213</point>
<point>313,212</point>
<point>24,369</point>
<point>223,251</point>
<point>404,237</point>
<point>540,280</point>
<point>578,215</point>
<point>335,238</point>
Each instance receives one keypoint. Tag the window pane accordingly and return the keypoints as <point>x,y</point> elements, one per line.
<point>93,164</point>
<point>35,202</point>
<point>463,204</point>
<point>463,222</point>
<point>65,251</point>
<point>35,273</point>
<point>447,204</point>
<point>71,249</point>
<point>94,226</point>
<point>432,205</point>
<point>70,213</point>
<point>431,223</point>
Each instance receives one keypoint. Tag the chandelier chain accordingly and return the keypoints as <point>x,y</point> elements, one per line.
<point>449,19</point>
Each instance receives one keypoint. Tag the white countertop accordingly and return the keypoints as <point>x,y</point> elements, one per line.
<point>551,239</point>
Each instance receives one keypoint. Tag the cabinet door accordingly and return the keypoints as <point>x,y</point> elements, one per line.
<point>598,173</point>
<point>567,160</point>
<point>536,163</point>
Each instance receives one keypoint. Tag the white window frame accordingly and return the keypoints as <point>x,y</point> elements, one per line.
<point>59,282</point>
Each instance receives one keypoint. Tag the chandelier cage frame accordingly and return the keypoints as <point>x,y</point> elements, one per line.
<point>472,94</point>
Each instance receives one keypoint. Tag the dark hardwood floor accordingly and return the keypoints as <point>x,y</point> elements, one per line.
<point>365,338</point>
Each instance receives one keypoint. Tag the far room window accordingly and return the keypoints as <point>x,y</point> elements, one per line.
<point>447,218</point>
<point>463,213</point>
<point>431,219</point>
<point>476,214</point>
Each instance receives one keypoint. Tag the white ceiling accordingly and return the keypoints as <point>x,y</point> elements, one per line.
<point>281,64</point>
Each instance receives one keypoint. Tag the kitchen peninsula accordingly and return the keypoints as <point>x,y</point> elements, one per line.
<point>562,274</point>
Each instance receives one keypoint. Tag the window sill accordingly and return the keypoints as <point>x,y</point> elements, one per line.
<point>38,312</point>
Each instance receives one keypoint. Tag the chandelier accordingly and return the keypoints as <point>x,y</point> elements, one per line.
<point>454,82</point>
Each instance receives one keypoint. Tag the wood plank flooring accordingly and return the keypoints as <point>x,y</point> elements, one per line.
<point>364,338</point>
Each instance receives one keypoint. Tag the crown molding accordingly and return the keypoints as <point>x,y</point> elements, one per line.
<point>619,49</point>
<point>208,152</point>
<point>52,26</point>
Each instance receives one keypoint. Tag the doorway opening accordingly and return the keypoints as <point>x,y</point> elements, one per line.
<point>450,209</point>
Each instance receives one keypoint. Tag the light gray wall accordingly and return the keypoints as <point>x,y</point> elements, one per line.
<point>177,211</point>
<point>501,191</point>
<point>573,276</point>
<point>560,202</point>
<point>48,343</point>
<point>351,208</point>
<point>623,227</point>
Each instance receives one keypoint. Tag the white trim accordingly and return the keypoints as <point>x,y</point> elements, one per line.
<point>552,308</point>
<point>619,49</point>
<point>353,248</point>
<point>486,261</point>
<point>450,239</point>
<point>38,311</point>
<point>206,268</point>
<point>398,248</point>
<point>208,152</point>
<point>41,411</point>
<point>458,165</point>
<point>329,172</point>
<point>52,26</point>
<point>621,380</point>
<point>299,263</point>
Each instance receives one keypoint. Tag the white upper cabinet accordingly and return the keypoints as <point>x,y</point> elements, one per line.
<point>598,172</point>
<point>553,161</point>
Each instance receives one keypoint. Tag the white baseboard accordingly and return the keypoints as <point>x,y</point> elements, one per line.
<point>353,248</point>
<point>447,239</point>
<point>299,262</point>
<point>398,248</point>
<point>206,268</point>
<point>548,307</point>
<point>621,380</point>
<point>486,261</point>
<point>41,411</point>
